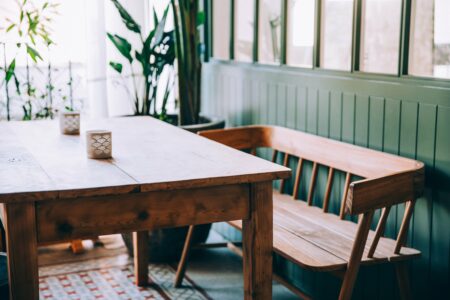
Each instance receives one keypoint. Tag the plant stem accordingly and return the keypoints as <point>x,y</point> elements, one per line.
<point>50,87</point>
<point>70,85</point>
<point>8,117</point>
<point>135,92</point>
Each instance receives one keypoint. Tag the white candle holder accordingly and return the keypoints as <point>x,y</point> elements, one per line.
<point>99,144</point>
<point>69,122</point>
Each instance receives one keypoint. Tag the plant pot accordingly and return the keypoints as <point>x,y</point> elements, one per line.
<point>166,244</point>
<point>4,291</point>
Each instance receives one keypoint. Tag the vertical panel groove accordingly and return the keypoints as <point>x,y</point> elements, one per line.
<point>403,119</point>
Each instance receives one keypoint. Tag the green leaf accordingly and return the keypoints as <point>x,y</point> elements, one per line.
<point>155,17</point>
<point>10,70</point>
<point>201,18</point>
<point>47,40</point>
<point>10,27</point>
<point>126,17</point>
<point>17,83</point>
<point>148,40</point>
<point>159,30</point>
<point>116,66</point>
<point>32,40</point>
<point>33,54</point>
<point>122,45</point>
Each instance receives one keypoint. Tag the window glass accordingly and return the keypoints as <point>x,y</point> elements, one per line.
<point>221,29</point>
<point>244,28</point>
<point>429,51</point>
<point>336,34</point>
<point>300,33</point>
<point>380,36</point>
<point>269,31</point>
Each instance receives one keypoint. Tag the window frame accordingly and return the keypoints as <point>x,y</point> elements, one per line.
<point>404,41</point>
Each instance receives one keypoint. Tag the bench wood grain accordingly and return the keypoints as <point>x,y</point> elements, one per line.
<point>320,241</point>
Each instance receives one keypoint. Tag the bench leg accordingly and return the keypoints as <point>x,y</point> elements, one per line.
<point>355,258</point>
<point>184,256</point>
<point>401,270</point>
<point>140,248</point>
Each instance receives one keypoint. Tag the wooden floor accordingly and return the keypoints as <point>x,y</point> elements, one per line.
<point>110,245</point>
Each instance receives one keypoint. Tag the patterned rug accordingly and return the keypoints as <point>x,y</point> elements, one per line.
<point>112,278</point>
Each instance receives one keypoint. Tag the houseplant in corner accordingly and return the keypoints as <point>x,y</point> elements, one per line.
<point>183,43</point>
<point>187,20</point>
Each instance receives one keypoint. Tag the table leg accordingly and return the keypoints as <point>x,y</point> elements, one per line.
<point>257,236</point>
<point>140,246</point>
<point>20,227</point>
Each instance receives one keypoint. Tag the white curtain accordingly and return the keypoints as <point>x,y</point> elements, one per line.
<point>109,92</point>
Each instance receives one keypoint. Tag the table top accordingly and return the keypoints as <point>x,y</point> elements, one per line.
<point>38,163</point>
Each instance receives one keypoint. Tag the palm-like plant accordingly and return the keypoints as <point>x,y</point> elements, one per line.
<point>187,20</point>
<point>156,52</point>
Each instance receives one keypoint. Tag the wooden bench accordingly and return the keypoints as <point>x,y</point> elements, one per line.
<point>310,236</point>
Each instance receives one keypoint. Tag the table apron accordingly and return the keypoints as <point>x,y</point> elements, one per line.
<point>67,219</point>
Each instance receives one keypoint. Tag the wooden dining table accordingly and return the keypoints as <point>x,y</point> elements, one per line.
<point>159,176</point>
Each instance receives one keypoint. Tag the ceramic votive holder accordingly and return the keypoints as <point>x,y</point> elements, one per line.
<point>99,144</point>
<point>69,122</point>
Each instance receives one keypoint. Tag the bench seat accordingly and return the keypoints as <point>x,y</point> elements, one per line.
<point>312,237</point>
<point>321,242</point>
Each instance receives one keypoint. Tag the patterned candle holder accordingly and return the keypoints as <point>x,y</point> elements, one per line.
<point>69,122</point>
<point>99,144</point>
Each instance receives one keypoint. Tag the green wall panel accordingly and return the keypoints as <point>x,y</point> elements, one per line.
<point>440,233</point>
<point>302,93</point>
<point>348,118</point>
<point>406,117</point>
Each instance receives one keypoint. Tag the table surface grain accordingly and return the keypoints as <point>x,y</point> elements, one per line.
<point>38,163</point>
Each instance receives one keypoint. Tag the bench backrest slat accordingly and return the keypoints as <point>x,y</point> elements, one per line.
<point>326,197</point>
<point>312,184</point>
<point>298,174</point>
<point>285,163</point>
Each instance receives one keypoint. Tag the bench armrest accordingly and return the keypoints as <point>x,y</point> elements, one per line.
<point>370,194</point>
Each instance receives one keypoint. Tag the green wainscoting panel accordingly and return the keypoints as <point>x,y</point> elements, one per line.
<point>400,116</point>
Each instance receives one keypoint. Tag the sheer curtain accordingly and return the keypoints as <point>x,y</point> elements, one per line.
<point>109,92</point>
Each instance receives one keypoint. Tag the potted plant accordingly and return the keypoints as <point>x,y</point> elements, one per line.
<point>158,51</point>
<point>30,29</point>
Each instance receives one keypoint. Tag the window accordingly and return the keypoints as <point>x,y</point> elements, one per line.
<point>269,47</point>
<point>380,36</point>
<point>429,50</point>
<point>300,33</point>
<point>373,44</point>
<point>243,30</point>
<point>221,28</point>
<point>336,34</point>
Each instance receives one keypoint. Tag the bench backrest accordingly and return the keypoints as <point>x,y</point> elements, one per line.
<point>387,179</point>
